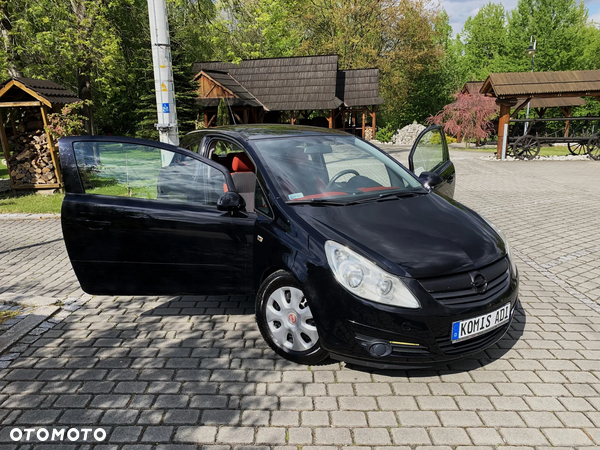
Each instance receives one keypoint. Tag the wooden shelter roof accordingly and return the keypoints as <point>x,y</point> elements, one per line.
<point>296,84</point>
<point>471,87</point>
<point>577,83</point>
<point>285,84</point>
<point>242,96</point>
<point>47,92</point>
<point>358,87</point>
<point>553,102</point>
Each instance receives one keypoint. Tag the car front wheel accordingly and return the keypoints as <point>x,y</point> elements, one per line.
<point>286,321</point>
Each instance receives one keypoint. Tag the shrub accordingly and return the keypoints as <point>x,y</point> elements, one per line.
<point>385,134</point>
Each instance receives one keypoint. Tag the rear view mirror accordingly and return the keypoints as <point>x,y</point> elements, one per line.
<point>231,201</point>
<point>318,149</point>
<point>430,179</point>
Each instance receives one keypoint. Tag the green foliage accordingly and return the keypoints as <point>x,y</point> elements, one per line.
<point>494,40</point>
<point>101,49</point>
<point>437,139</point>
<point>68,122</point>
<point>223,114</point>
<point>385,134</point>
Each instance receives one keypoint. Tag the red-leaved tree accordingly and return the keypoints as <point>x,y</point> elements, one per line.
<point>470,116</point>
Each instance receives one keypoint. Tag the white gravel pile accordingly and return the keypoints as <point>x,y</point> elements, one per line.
<point>543,158</point>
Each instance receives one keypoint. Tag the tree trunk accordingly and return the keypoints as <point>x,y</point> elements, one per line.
<point>85,23</point>
<point>8,42</point>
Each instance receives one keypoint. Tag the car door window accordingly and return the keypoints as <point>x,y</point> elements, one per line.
<point>429,152</point>
<point>142,171</point>
<point>261,204</point>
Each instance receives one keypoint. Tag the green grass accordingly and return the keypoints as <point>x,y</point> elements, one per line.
<point>7,315</point>
<point>544,151</point>
<point>30,203</point>
<point>3,171</point>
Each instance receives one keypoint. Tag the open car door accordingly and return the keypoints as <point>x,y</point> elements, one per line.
<point>429,154</point>
<point>140,218</point>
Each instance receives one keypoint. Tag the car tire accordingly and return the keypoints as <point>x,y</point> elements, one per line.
<point>285,320</point>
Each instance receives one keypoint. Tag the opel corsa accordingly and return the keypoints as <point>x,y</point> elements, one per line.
<point>350,255</point>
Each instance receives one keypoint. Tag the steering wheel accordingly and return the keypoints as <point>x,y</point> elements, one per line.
<point>338,175</point>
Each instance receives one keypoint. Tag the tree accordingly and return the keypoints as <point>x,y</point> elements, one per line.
<point>566,40</point>
<point>223,113</point>
<point>249,29</point>
<point>484,39</point>
<point>470,115</point>
<point>10,57</point>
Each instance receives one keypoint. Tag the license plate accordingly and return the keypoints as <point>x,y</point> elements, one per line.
<point>476,326</point>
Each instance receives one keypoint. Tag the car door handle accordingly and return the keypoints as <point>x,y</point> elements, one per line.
<point>94,224</point>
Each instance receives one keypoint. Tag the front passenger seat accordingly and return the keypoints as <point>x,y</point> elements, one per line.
<point>244,178</point>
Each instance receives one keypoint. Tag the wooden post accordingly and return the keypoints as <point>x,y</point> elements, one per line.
<point>331,118</point>
<point>51,145</point>
<point>4,143</point>
<point>293,118</point>
<point>458,137</point>
<point>363,124</point>
<point>504,118</point>
<point>373,120</point>
<point>245,115</point>
<point>343,113</point>
<point>567,112</point>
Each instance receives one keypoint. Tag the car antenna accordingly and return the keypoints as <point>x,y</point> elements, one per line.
<point>231,111</point>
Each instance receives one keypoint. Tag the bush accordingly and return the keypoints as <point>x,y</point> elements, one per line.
<point>435,139</point>
<point>385,134</point>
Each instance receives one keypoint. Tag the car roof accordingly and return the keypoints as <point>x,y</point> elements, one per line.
<point>260,131</point>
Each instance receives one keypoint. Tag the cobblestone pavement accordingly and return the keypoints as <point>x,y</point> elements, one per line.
<point>194,372</point>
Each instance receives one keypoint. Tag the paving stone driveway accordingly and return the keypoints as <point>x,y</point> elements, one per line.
<point>194,371</point>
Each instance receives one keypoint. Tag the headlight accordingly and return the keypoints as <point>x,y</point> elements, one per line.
<point>363,278</point>
<point>513,266</point>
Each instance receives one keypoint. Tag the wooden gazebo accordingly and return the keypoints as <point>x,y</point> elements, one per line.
<point>538,105</point>
<point>307,90</point>
<point>514,90</point>
<point>30,153</point>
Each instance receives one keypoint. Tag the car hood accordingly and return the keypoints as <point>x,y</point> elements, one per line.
<point>426,235</point>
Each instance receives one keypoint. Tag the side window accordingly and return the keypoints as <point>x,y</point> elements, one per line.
<point>140,171</point>
<point>260,201</point>
<point>221,149</point>
<point>429,152</point>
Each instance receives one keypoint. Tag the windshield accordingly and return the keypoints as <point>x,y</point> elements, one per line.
<point>331,167</point>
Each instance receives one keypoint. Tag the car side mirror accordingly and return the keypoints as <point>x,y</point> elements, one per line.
<point>430,179</point>
<point>231,201</point>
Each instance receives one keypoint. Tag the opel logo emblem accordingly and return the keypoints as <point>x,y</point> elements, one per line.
<point>479,283</point>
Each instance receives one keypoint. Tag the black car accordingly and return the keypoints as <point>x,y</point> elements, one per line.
<point>350,254</point>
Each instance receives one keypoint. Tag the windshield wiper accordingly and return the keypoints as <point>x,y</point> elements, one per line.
<point>390,196</point>
<point>317,202</point>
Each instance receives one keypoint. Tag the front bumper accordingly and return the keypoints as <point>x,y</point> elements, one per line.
<point>366,333</point>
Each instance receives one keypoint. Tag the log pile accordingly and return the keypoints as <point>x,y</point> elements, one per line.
<point>31,160</point>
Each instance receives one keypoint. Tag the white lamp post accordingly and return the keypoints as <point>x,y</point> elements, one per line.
<point>531,53</point>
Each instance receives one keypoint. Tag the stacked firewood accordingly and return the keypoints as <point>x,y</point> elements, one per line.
<point>31,160</point>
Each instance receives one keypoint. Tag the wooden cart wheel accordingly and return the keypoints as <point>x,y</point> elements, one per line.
<point>577,148</point>
<point>593,147</point>
<point>526,147</point>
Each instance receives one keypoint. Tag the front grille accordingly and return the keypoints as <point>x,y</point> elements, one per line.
<point>470,345</point>
<point>457,290</point>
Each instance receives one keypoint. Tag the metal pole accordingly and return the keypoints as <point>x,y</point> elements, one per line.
<point>504,141</point>
<point>163,73</point>
<point>532,61</point>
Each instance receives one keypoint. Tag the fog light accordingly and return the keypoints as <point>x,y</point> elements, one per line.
<point>380,349</point>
